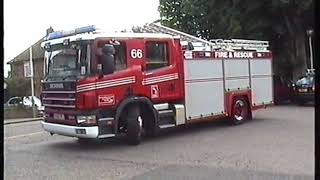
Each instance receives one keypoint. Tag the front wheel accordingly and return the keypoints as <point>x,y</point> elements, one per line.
<point>133,127</point>
<point>240,111</point>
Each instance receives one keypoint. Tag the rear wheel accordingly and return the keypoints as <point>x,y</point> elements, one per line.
<point>240,111</point>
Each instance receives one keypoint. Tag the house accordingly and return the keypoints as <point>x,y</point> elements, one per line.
<point>20,64</point>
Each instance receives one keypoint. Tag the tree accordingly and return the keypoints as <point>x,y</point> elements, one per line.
<point>282,22</point>
<point>18,87</point>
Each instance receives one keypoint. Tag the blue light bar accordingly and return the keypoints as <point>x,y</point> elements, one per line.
<point>60,34</point>
<point>54,35</point>
<point>85,29</point>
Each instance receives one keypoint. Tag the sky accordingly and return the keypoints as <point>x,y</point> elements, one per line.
<point>25,22</point>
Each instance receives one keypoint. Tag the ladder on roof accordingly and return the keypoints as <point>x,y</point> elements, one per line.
<point>214,44</point>
<point>157,28</point>
<point>242,44</point>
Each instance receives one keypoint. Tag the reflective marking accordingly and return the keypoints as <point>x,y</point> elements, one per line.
<point>106,135</point>
<point>106,119</point>
<point>159,79</point>
<point>23,135</point>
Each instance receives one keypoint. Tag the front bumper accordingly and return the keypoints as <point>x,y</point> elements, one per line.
<point>74,131</point>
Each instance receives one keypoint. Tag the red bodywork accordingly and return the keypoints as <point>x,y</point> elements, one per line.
<point>134,80</point>
<point>163,85</point>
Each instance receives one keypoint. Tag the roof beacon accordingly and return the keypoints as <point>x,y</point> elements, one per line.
<point>60,34</point>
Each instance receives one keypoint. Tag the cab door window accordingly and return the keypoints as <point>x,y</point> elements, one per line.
<point>120,56</point>
<point>157,55</point>
<point>118,59</point>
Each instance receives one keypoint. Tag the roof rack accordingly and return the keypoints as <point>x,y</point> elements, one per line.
<point>242,44</point>
<point>214,44</point>
<point>157,28</point>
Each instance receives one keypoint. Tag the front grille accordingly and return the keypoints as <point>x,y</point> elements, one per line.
<point>59,98</point>
<point>60,95</point>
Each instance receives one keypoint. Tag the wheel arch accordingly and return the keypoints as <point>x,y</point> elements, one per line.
<point>232,96</point>
<point>144,104</point>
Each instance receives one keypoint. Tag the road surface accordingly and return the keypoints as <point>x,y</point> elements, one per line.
<point>277,144</point>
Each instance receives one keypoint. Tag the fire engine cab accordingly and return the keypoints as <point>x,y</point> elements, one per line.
<point>101,85</point>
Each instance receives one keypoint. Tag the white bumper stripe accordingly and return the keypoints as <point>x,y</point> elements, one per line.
<point>91,132</point>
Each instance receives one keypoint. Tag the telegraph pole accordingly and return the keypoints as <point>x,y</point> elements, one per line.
<point>310,33</point>
<point>32,85</point>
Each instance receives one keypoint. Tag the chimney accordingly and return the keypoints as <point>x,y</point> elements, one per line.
<point>49,30</point>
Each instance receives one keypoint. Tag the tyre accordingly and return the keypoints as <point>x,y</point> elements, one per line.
<point>133,127</point>
<point>240,111</point>
<point>149,126</point>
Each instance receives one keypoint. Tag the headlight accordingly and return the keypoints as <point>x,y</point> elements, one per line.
<point>87,119</point>
<point>313,88</point>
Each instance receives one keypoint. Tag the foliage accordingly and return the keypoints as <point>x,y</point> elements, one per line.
<point>18,86</point>
<point>282,22</point>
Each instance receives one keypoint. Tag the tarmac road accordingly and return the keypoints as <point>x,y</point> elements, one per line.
<point>277,144</point>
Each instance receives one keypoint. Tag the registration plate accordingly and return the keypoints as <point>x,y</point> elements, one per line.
<point>58,116</point>
<point>303,90</point>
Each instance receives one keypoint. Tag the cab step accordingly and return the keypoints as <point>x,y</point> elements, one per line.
<point>166,126</point>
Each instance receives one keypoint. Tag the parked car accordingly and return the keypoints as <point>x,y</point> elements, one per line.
<point>304,88</point>
<point>13,102</point>
<point>25,101</point>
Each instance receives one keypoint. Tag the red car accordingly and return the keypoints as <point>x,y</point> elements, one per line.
<point>282,90</point>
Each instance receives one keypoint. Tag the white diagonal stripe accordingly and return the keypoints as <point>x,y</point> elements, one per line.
<point>159,77</point>
<point>113,81</point>
<point>116,84</point>
<point>163,79</point>
<point>107,81</point>
<point>110,83</point>
<point>123,82</point>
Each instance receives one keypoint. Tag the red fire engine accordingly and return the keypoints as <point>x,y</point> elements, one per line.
<point>101,85</point>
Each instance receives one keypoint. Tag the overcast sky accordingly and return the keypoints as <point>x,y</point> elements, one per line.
<point>25,22</point>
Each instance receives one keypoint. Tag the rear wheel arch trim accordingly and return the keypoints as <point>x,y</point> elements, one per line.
<point>232,96</point>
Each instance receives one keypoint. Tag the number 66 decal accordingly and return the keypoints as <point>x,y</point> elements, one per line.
<point>136,53</point>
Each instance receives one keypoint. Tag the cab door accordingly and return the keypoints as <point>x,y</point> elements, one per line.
<point>160,73</point>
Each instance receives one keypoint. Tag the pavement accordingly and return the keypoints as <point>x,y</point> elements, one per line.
<point>21,120</point>
<point>277,144</point>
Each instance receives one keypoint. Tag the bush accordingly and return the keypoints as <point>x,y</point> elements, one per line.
<point>18,87</point>
<point>18,112</point>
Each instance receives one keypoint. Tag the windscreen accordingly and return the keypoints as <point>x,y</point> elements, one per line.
<point>63,62</point>
<point>67,62</point>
